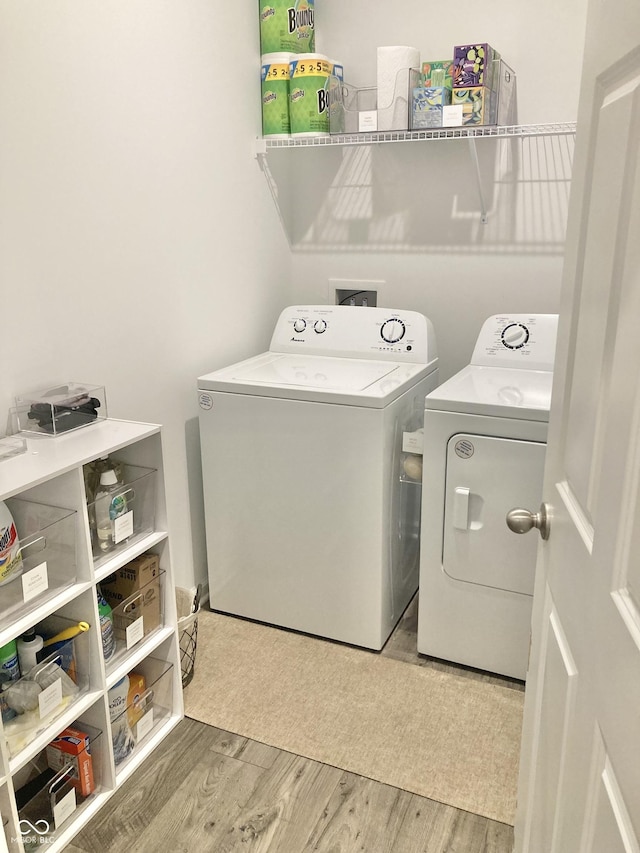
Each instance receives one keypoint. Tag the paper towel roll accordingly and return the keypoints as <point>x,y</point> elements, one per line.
<point>394,62</point>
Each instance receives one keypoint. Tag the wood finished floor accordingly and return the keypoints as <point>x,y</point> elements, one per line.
<point>208,790</point>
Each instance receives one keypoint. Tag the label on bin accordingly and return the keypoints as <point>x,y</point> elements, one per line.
<point>34,582</point>
<point>64,808</point>
<point>50,698</point>
<point>123,527</point>
<point>135,632</point>
<point>144,725</point>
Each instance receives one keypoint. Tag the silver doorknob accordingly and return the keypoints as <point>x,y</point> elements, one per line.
<point>523,520</point>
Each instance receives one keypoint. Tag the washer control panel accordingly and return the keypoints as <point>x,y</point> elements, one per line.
<point>347,331</point>
<point>517,340</point>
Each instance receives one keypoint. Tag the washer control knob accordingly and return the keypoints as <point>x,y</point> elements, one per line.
<point>320,326</point>
<point>515,335</point>
<point>299,325</point>
<point>392,331</point>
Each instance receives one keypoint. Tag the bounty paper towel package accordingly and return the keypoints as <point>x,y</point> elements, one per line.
<point>393,82</point>
<point>287,26</point>
<point>275,95</point>
<point>309,94</point>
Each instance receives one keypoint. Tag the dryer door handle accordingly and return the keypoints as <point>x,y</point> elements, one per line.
<point>461,508</point>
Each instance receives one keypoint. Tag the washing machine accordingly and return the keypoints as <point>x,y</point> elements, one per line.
<point>485,433</point>
<point>307,523</point>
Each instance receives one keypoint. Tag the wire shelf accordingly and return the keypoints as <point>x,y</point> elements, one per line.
<point>495,131</point>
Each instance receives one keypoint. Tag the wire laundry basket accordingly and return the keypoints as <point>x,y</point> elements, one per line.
<point>188,608</point>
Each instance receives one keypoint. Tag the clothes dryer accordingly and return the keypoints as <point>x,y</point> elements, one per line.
<point>307,523</point>
<point>485,433</point>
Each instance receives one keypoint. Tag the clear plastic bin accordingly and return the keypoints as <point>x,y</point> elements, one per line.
<point>138,489</point>
<point>56,784</point>
<point>48,548</point>
<point>137,616</point>
<point>58,410</point>
<point>12,445</point>
<point>59,679</point>
<point>148,706</point>
<point>358,110</point>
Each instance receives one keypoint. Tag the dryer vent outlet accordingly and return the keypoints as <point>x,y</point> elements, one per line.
<point>363,298</point>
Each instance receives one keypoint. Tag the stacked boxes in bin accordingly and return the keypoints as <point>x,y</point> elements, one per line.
<point>476,88</point>
<point>474,85</point>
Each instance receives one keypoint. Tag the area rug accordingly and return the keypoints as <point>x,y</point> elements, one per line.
<point>439,735</point>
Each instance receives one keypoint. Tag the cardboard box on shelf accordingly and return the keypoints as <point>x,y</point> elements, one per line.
<point>72,747</point>
<point>139,576</point>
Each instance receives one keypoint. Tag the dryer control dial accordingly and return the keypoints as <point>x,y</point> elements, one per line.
<point>320,326</point>
<point>515,335</point>
<point>299,325</point>
<point>392,331</point>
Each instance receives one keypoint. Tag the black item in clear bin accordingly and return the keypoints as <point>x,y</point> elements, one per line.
<point>66,415</point>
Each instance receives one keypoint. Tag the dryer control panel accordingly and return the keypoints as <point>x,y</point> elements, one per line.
<point>344,331</point>
<point>517,340</point>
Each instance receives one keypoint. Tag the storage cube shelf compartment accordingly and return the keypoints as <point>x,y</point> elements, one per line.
<point>145,713</point>
<point>54,786</point>
<point>137,521</point>
<point>48,547</point>
<point>59,410</point>
<point>136,617</point>
<point>40,696</point>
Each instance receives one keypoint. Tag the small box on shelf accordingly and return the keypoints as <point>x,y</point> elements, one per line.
<point>47,536</point>
<point>473,65</point>
<point>426,106</point>
<point>61,409</point>
<point>475,105</point>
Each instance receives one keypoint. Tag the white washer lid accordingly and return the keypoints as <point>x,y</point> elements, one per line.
<point>346,381</point>
<point>303,371</point>
<point>502,392</point>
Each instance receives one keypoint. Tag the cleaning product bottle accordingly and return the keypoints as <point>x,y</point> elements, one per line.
<point>10,556</point>
<point>29,645</point>
<point>106,626</point>
<point>9,671</point>
<point>110,502</point>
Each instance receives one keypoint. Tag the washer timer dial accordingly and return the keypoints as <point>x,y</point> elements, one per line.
<point>392,331</point>
<point>515,336</point>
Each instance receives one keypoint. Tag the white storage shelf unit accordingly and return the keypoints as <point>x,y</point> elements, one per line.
<point>50,473</point>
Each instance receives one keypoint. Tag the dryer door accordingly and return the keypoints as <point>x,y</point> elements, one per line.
<point>486,477</point>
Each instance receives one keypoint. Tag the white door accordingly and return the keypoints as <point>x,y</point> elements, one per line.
<point>580,771</point>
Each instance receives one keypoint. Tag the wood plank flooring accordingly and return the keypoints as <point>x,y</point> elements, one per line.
<point>206,789</point>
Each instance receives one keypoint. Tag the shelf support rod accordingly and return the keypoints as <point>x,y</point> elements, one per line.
<point>476,163</point>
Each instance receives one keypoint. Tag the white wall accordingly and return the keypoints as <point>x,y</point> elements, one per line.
<point>409,214</point>
<point>138,244</point>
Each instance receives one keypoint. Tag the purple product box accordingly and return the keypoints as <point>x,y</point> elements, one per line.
<point>472,65</point>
